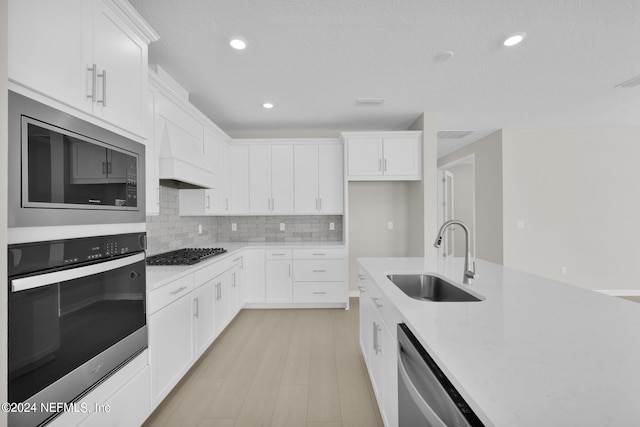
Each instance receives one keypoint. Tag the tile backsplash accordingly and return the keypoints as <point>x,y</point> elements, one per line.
<point>169,231</point>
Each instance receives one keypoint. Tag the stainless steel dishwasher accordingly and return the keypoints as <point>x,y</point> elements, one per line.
<point>425,396</point>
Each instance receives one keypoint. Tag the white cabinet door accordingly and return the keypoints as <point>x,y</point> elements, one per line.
<point>331,179</point>
<point>254,276</point>
<point>170,346</point>
<point>389,377</point>
<point>48,48</point>
<point>214,156</point>
<point>306,179</point>
<point>236,286</point>
<point>222,301</point>
<point>239,177</point>
<point>121,59</point>
<point>152,161</point>
<point>129,406</point>
<point>401,157</point>
<point>226,179</point>
<point>279,281</point>
<point>282,179</point>
<point>203,317</point>
<point>364,156</point>
<point>260,179</point>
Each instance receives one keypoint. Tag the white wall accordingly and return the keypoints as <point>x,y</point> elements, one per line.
<point>488,198</point>
<point>371,206</point>
<point>3,207</point>
<point>578,193</point>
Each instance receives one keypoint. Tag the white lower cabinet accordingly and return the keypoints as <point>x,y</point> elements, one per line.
<point>379,349</point>
<point>279,276</point>
<point>236,291</point>
<point>255,291</point>
<point>204,327</point>
<point>320,276</point>
<point>170,343</point>
<point>129,407</point>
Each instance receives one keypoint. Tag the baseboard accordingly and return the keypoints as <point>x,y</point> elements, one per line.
<point>621,293</point>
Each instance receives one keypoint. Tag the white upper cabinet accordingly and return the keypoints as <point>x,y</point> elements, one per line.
<point>271,179</point>
<point>318,178</point>
<point>239,179</point>
<point>383,156</point>
<point>88,55</point>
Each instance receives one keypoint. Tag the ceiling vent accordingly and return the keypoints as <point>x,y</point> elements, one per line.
<point>370,101</point>
<point>630,83</point>
<point>454,134</point>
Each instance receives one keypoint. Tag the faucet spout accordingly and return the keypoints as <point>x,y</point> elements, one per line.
<point>469,266</point>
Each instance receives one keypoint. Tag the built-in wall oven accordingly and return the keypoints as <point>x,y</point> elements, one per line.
<point>76,314</point>
<point>64,171</point>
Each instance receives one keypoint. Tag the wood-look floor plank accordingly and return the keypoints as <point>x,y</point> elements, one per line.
<point>324,402</point>
<point>291,406</point>
<point>196,402</point>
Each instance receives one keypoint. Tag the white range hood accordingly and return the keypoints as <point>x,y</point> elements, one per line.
<point>182,158</point>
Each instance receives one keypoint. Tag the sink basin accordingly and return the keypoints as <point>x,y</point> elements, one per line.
<point>434,288</point>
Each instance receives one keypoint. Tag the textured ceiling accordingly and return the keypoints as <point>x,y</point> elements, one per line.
<point>313,58</point>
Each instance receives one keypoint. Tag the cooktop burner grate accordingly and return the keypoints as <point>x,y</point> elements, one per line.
<point>186,256</point>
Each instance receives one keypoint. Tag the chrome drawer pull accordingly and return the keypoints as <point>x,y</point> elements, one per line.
<point>318,254</point>
<point>319,271</point>
<point>177,291</point>
<point>319,293</point>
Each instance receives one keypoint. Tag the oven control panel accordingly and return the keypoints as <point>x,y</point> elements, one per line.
<point>31,257</point>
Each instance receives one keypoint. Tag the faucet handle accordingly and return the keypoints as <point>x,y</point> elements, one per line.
<point>471,274</point>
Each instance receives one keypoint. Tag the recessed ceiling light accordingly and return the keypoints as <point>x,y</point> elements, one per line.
<point>267,105</point>
<point>238,44</point>
<point>514,39</point>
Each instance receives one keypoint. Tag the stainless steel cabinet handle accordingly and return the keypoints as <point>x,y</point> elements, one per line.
<point>319,271</point>
<point>380,165</point>
<point>385,164</point>
<point>208,201</point>
<point>289,270</point>
<point>226,204</point>
<point>195,308</point>
<point>109,167</point>
<point>375,301</point>
<point>361,276</point>
<point>320,203</point>
<point>93,70</point>
<point>361,289</point>
<point>319,293</point>
<point>318,254</point>
<point>103,101</point>
<point>177,291</point>
<point>233,282</point>
<point>158,196</point>
<point>278,254</point>
<point>375,338</point>
<point>104,168</point>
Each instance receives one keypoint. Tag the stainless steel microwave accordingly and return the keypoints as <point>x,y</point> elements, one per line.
<point>64,171</point>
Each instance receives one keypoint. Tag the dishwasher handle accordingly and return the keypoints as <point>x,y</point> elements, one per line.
<point>433,419</point>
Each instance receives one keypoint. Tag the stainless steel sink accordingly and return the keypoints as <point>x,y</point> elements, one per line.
<point>433,288</point>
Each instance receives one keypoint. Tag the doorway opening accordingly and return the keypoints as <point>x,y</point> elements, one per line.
<point>457,200</point>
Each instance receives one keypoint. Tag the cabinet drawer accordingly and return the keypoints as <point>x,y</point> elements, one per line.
<point>319,253</point>
<point>212,270</point>
<point>329,270</point>
<point>319,292</point>
<point>278,254</point>
<point>169,293</point>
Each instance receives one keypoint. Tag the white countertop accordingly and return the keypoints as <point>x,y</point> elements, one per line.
<point>535,352</point>
<point>158,276</point>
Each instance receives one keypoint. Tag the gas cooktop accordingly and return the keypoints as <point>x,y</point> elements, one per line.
<point>186,256</point>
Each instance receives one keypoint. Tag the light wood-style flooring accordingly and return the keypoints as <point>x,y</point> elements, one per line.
<point>277,368</point>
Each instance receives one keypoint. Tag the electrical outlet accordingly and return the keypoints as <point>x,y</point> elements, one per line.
<point>282,226</point>
<point>199,228</point>
<point>564,271</point>
<point>332,226</point>
<point>234,226</point>
<point>520,224</point>
<point>390,225</point>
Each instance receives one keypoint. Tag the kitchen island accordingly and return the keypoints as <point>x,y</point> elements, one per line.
<point>533,352</point>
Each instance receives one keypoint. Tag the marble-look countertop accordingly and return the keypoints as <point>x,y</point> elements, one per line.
<point>158,276</point>
<point>534,352</point>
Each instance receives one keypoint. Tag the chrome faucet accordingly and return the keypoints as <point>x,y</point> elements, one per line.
<point>469,267</point>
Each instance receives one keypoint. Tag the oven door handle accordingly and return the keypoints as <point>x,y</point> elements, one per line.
<point>32,282</point>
